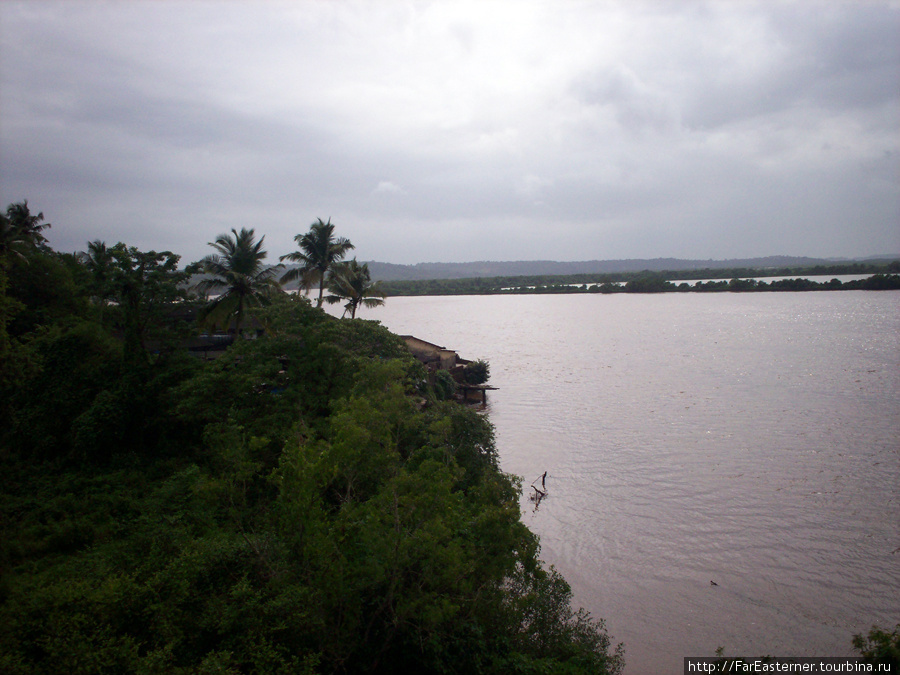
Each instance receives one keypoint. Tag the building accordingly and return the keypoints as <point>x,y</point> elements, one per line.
<point>435,358</point>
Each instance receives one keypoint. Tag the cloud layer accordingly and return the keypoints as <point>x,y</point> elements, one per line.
<point>452,131</point>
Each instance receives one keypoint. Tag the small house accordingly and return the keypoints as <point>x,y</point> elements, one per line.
<point>433,356</point>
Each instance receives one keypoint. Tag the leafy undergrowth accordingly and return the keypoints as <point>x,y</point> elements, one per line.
<point>302,504</point>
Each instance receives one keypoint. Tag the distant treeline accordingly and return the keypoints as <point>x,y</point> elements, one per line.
<point>885,276</point>
<point>518,268</point>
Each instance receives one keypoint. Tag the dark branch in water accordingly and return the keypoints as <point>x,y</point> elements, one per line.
<point>539,492</point>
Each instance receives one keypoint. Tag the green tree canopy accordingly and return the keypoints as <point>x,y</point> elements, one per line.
<point>144,284</point>
<point>98,261</point>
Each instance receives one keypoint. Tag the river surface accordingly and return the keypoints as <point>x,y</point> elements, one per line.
<point>752,440</point>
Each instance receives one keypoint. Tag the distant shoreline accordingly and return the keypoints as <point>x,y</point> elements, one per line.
<point>765,266</point>
<point>871,277</point>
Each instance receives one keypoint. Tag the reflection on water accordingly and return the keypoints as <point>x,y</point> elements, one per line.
<point>746,440</point>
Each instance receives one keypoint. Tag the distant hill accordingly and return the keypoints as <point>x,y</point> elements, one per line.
<point>469,270</point>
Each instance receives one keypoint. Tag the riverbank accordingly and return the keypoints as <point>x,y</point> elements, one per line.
<point>856,277</point>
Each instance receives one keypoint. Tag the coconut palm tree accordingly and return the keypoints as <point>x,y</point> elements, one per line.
<point>238,271</point>
<point>350,281</point>
<point>98,259</point>
<point>27,225</point>
<point>10,239</point>
<point>19,230</point>
<point>319,251</point>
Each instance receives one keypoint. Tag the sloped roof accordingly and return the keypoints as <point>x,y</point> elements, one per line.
<point>426,342</point>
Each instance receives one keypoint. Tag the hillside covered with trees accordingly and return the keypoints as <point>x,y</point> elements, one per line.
<point>305,503</point>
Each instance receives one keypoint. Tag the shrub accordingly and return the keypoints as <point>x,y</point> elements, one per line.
<point>477,372</point>
<point>444,385</point>
<point>879,646</point>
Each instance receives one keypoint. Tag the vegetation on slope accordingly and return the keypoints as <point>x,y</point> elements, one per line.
<point>305,503</point>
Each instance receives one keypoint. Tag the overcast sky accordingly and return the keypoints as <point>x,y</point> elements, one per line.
<point>453,131</point>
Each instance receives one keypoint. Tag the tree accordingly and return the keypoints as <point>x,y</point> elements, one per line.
<point>237,269</point>
<point>879,646</point>
<point>10,240</point>
<point>98,260</point>
<point>648,282</point>
<point>477,372</point>
<point>143,285</point>
<point>19,229</point>
<point>350,281</point>
<point>319,251</point>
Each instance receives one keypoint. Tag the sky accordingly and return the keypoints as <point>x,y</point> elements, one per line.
<point>453,131</point>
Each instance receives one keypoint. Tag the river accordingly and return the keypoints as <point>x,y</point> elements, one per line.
<point>749,440</point>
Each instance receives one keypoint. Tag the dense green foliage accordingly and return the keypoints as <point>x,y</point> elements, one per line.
<point>880,647</point>
<point>305,503</point>
<point>477,372</point>
<point>885,277</point>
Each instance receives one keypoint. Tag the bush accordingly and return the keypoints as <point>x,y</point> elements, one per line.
<point>444,385</point>
<point>880,647</point>
<point>477,372</point>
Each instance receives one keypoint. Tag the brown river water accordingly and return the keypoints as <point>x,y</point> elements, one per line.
<point>751,440</point>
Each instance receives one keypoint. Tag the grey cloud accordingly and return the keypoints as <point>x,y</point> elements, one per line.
<point>635,104</point>
<point>426,133</point>
<point>851,52</point>
<point>835,55</point>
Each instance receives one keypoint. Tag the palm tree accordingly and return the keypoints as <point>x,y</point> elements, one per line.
<point>98,260</point>
<point>10,239</point>
<point>27,225</point>
<point>237,269</point>
<point>19,229</point>
<point>351,282</point>
<point>319,251</point>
